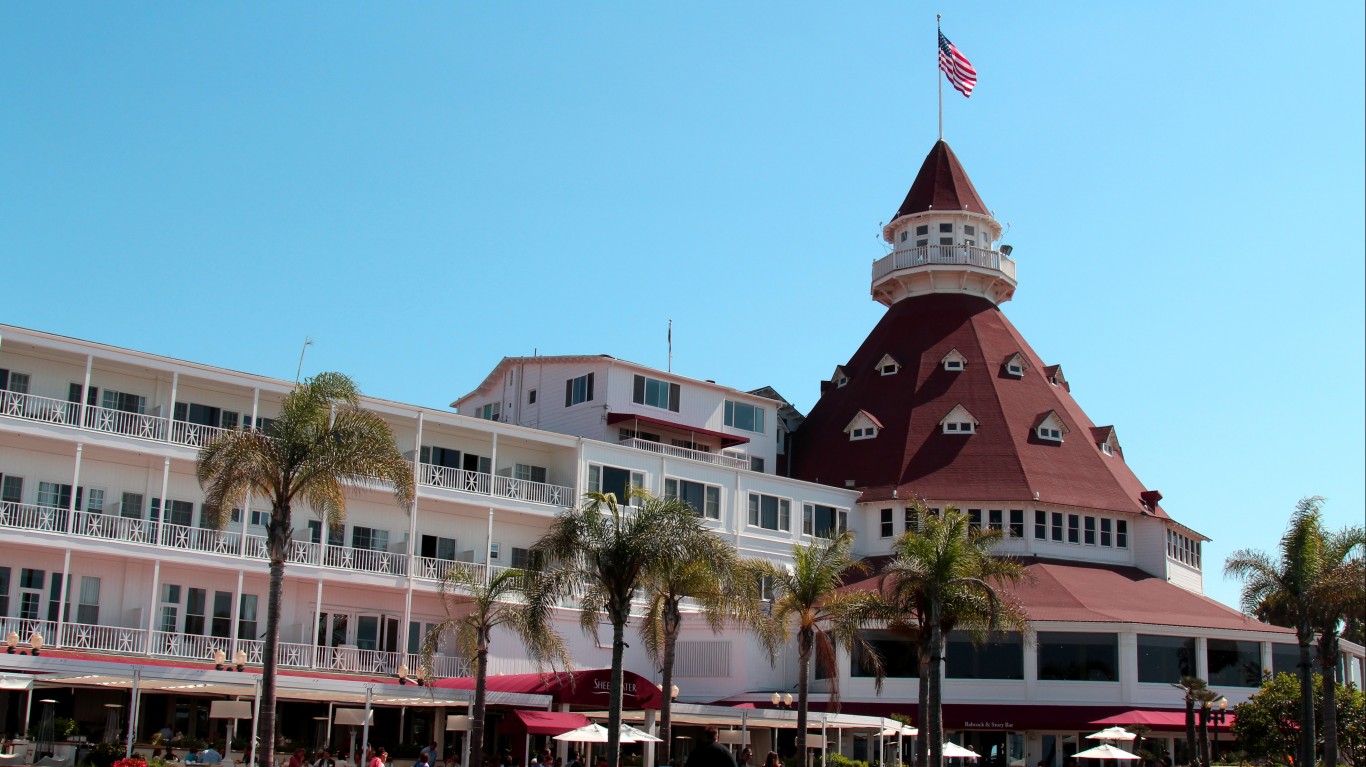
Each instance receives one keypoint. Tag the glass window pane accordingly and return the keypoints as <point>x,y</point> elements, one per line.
<point>1233,663</point>
<point>1164,659</point>
<point>1078,657</point>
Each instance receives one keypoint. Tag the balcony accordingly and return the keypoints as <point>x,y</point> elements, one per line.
<point>717,459</point>
<point>153,428</point>
<point>164,644</point>
<point>959,255</point>
<point>495,486</point>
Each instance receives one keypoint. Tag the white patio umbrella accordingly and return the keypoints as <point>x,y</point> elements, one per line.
<point>1106,751</point>
<point>954,751</point>
<point>904,730</point>
<point>637,736</point>
<point>1111,733</point>
<point>590,733</point>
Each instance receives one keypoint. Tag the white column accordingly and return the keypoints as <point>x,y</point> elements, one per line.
<point>659,484</point>
<point>85,390</point>
<point>165,502</point>
<point>493,462</point>
<point>255,413</point>
<point>170,416</point>
<point>246,515</point>
<point>412,550</point>
<point>1031,670</point>
<point>650,715</point>
<point>1202,658</point>
<point>75,488</point>
<point>488,550</point>
<point>236,616</point>
<point>152,609</point>
<point>317,619</point>
<point>133,695</point>
<point>1266,657</point>
<point>61,597</point>
<point>1128,666</point>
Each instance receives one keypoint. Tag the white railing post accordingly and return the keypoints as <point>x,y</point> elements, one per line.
<point>170,416</point>
<point>75,489</point>
<point>85,392</point>
<point>165,502</point>
<point>61,597</point>
<point>152,608</point>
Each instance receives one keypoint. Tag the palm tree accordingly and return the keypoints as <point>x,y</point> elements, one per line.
<point>1191,687</point>
<point>322,443</point>
<point>602,551</point>
<point>826,619</point>
<point>1205,699</point>
<point>724,587</point>
<point>1287,590</point>
<point>518,600</point>
<point>944,576</point>
<point>1342,598</point>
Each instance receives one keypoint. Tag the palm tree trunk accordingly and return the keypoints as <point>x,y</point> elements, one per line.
<point>614,696</point>
<point>1308,738</point>
<point>481,686</point>
<point>922,742</point>
<point>1204,736</point>
<point>663,755</point>
<point>1191,757</point>
<point>806,638</point>
<point>936,694</point>
<point>1328,662</point>
<point>265,749</point>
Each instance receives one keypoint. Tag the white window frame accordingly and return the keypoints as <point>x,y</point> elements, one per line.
<point>760,420</point>
<point>886,523</point>
<point>710,510</point>
<point>809,519</point>
<point>1048,433</point>
<point>862,433</point>
<point>595,483</point>
<point>960,427</point>
<point>755,514</point>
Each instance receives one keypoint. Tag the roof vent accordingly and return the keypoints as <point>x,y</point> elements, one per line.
<point>1150,498</point>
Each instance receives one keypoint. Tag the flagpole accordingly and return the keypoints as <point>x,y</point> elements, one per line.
<point>940,80</point>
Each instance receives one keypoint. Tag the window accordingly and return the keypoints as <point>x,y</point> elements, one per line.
<point>495,551</point>
<point>54,494</point>
<point>18,383</point>
<point>1121,534</point>
<point>618,482</point>
<point>531,397</point>
<point>1106,449</point>
<point>744,416</point>
<point>887,528</point>
<point>1285,658</point>
<point>12,489</point>
<point>1105,526</point>
<point>946,228</point>
<point>704,499</point>
<point>863,432</point>
<point>528,473</point>
<point>1017,525</point>
<point>88,610</point>
<point>1074,528</point>
<point>170,607</point>
<point>1164,659</point>
<point>922,243</point>
<point>756,463</point>
<point>899,658</point>
<point>177,512</point>
<point>521,558</point>
<point>1089,531</point>
<point>127,403</point>
<point>945,240</point>
<point>1233,663</point>
<point>770,512</point>
<point>488,412</point>
<point>912,519</point>
<point>246,618</point>
<point>4,591</point>
<point>131,506</point>
<point>823,521</point>
<point>368,538</point>
<point>578,390</point>
<point>440,456</point>
<point>888,366</point>
<point>998,657</point>
<point>1015,365</point>
<point>922,230</point>
<point>904,234</point>
<point>1078,657</point>
<point>95,502</point>
<point>958,421</point>
<point>1040,525</point>
<point>974,519</point>
<point>1057,526</point>
<point>625,434</point>
<point>196,600</point>
<point>969,230</point>
<point>222,614</point>
<point>996,519</point>
<point>958,427</point>
<point>54,601</point>
<point>954,361</point>
<point>690,445</point>
<point>1049,433</point>
<point>655,393</point>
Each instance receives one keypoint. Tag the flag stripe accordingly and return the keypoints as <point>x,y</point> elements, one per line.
<point>962,76</point>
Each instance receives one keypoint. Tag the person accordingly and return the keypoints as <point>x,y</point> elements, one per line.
<point>383,755</point>
<point>452,758</point>
<point>746,756</point>
<point>325,759</point>
<point>574,759</point>
<point>422,760</point>
<point>210,755</point>
<point>299,758</point>
<point>156,752</point>
<point>772,760</point>
<point>170,755</point>
<point>431,752</point>
<point>710,753</point>
<point>192,756</point>
<point>372,758</point>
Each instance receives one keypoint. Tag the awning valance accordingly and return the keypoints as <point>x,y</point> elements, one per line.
<point>727,440</point>
<point>542,722</point>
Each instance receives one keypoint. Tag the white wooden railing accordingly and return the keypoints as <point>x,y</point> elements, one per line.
<point>80,636</point>
<point>114,528</point>
<point>26,627</point>
<point>483,483</point>
<point>31,516</point>
<point>200,539</point>
<point>34,408</point>
<point>718,459</point>
<point>195,434</point>
<point>964,255</point>
<point>128,424</point>
<point>433,569</point>
<point>535,492</point>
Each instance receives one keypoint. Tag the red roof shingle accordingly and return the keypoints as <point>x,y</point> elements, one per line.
<point>941,184</point>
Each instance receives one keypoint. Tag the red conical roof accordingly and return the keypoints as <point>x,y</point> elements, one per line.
<point>941,184</point>
<point>1004,460</point>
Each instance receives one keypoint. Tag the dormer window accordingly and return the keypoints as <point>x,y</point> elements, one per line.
<point>1105,439</point>
<point>888,366</point>
<point>864,425</point>
<point>840,378</point>
<point>958,421</point>
<point>1106,449</point>
<point>954,361</point>
<point>1015,365</point>
<point>1055,376</point>
<point>1050,427</point>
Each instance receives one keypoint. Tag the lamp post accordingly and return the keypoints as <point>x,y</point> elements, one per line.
<point>1217,715</point>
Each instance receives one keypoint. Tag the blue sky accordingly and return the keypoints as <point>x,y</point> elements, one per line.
<point>425,188</point>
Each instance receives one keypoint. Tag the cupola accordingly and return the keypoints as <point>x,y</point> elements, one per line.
<point>943,239</point>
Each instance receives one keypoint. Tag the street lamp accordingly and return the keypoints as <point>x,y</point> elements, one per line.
<point>781,700</point>
<point>1218,716</point>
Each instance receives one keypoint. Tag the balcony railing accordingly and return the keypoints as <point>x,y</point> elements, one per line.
<point>482,483</point>
<point>718,459</point>
<point>114,528</point>
<point>195,434</point>
<point>30,516</point>
<point>963,255</point>
<point>140,425</point>
<point>200,539</point>
<point>434,569</point>
<point>35,408</point>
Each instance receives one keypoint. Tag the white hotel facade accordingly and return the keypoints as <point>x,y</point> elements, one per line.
<point>104,554</point>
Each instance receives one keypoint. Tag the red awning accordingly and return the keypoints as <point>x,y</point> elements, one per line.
<point>583,688</point>
<point>541,722</point>
<point>727,440</point>
<point>1158,720</point>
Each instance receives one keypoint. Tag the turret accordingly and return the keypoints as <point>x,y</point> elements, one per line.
<point>943,239</point>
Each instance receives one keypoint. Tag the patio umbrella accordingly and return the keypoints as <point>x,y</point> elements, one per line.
<point>591,733</point>
<point>1106,751</point>
<point>637,736</point>
<point>954,751</point>
<point>1112,733</point>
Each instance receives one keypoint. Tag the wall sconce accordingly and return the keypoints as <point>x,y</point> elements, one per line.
<point>11,642</point>
<point>35,640</point>
<point>673,692</point>
<point>220,660</point>
<point>240,660</point>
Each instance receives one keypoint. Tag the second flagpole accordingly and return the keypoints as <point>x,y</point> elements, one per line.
<point>937,78</point>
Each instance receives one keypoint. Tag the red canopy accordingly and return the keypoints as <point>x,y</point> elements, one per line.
<point>542,722</point>
<point>727,440</point>
<point>1158,720</point>
<point>583,688</point>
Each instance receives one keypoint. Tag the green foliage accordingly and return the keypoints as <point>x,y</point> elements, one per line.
<point>840,760</point>
<point>105,754</point>
<point>1266,723</point>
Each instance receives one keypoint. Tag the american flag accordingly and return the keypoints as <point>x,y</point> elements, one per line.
<point>954,64</point>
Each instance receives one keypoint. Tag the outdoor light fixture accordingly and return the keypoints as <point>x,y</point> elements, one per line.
<point>11,642</point>
<point>421,676</point>
<point>240,660</point>
<point>673,692</point>
<point>1005,250</point>
<point>402,673</point>
<point>35,640</point>
<point>220,659</point>
<point>781,700</point>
